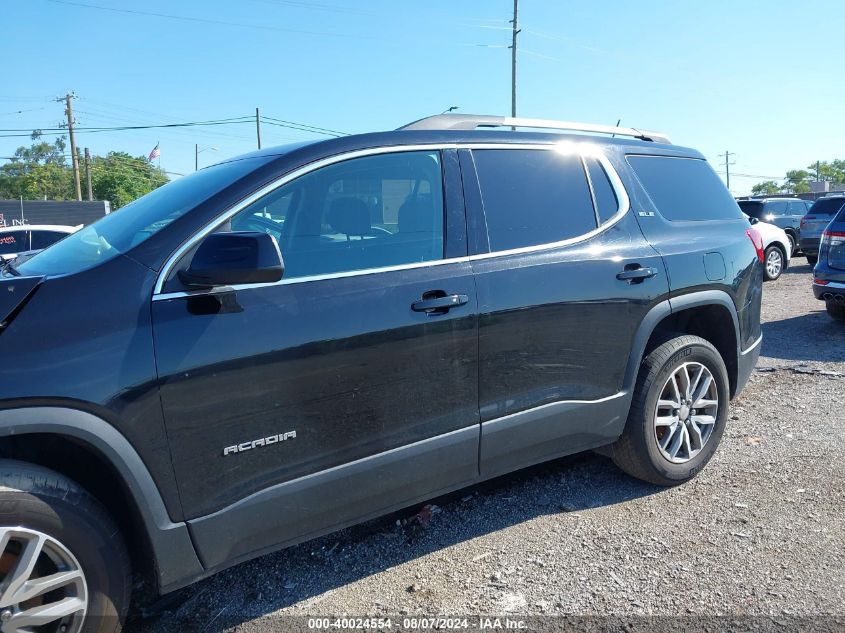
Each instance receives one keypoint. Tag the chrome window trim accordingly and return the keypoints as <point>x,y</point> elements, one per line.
<point>622,199</point>
<point>578,148</point>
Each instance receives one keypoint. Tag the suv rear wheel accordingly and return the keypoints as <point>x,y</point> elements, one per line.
<point>678,412</point>
<point>812,259</point>
<point>63,565</point>
<point>835,310</point>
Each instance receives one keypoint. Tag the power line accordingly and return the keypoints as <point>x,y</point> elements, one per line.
<point>262,27</point>
<point>304,127</point>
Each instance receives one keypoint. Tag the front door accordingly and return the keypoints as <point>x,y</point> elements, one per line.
<point>348,388</point>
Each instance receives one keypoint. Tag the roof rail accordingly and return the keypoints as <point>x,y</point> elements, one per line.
<point>475,121</point>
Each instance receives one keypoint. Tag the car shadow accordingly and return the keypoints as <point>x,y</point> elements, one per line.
<point>304,573</point>
<point>809,337</point>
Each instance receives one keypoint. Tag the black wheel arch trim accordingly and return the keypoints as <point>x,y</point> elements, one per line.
<point>173,552</point>
<point>670,306</point>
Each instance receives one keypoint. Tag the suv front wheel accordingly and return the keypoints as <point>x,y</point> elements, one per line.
<point>678,412</point>
<point>63,565</point>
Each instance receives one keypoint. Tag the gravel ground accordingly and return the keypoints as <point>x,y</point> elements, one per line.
<point>759,532</point>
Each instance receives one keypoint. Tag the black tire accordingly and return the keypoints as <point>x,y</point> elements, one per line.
<point>812,259</point>
<point>39,499</point>
<point>773,249</point>
<point>793,244</point>
<point>637,451</point>
<point>835,310</point>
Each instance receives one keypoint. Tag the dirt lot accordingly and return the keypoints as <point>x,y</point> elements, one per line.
<point>760,531</point>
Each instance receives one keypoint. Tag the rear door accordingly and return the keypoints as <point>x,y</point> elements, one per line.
<point>348,388</point>
<point>564,278</point>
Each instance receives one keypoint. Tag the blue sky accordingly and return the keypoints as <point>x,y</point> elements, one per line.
<point>758,78</point>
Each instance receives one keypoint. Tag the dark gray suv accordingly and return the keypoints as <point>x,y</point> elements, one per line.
<point>814,223</point>
<point>309,336</point>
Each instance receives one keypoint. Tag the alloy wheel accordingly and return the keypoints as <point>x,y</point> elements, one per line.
<point>686,412</point>
<point>774,262</point>
<point>43,587</point>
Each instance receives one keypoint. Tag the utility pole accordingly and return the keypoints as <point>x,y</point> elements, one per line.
<point>197,156</point>
<point>258,127</point>
<point>515,23</point>
<point>728,169</point>
<point>74,158</point>
<point>88,174</point>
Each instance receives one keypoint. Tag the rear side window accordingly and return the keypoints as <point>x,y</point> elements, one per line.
<point>776,207</point>
<point>797,208</point>
<point>684,188</point>
<point>533,197</point>
<point>752,208</point>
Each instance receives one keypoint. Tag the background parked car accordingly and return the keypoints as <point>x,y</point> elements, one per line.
<point>783,212</point>
<point>816,220</point>
<point>829,274</point>
<point>777,248</point>
<point>16,240</point>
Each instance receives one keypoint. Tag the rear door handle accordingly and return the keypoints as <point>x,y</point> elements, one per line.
<point>636,274</point>
<point>438,304</point>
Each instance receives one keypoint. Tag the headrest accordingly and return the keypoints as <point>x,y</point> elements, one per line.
<point>350,216</point>
<point>417,215</point>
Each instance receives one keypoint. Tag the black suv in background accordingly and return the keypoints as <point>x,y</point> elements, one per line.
<point>783,212</point>
<point>305,337</point>
<point>829,273</point>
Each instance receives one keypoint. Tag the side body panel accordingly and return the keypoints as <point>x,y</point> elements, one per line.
<point>703,255</point>
<point>85,342</point>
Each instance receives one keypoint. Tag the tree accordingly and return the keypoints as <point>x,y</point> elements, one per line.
<point>37,172</point>
<point>797,181</point>
<point>42,171</point>
<point>768,188</point>
<point>120,178</point>
<point>831,171</point>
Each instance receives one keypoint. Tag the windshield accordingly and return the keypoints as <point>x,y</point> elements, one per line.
<point>131,225</point>
<point>826,206</point>
<point>752,208</point>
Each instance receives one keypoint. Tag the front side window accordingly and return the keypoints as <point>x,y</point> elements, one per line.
<point>14,242</point>
<point>684,188</point>
<point>363,213</point>
<point>533,197</point>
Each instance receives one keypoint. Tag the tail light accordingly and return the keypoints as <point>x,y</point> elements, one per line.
<point>832,248</point>
<point>756,239</point>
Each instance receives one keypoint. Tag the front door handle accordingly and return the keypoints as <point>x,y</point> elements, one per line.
<point>438,302</point>
<point>634,273</point>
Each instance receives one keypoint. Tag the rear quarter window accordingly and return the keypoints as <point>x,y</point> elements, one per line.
<point>684,189</point>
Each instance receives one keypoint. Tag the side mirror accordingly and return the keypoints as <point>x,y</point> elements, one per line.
<point>752,220</point>
<point>226,259</point>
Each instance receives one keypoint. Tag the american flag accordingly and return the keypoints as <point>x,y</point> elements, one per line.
<point>155,153</point>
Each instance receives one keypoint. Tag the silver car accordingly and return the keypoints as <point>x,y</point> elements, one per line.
<point>816,220</point>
